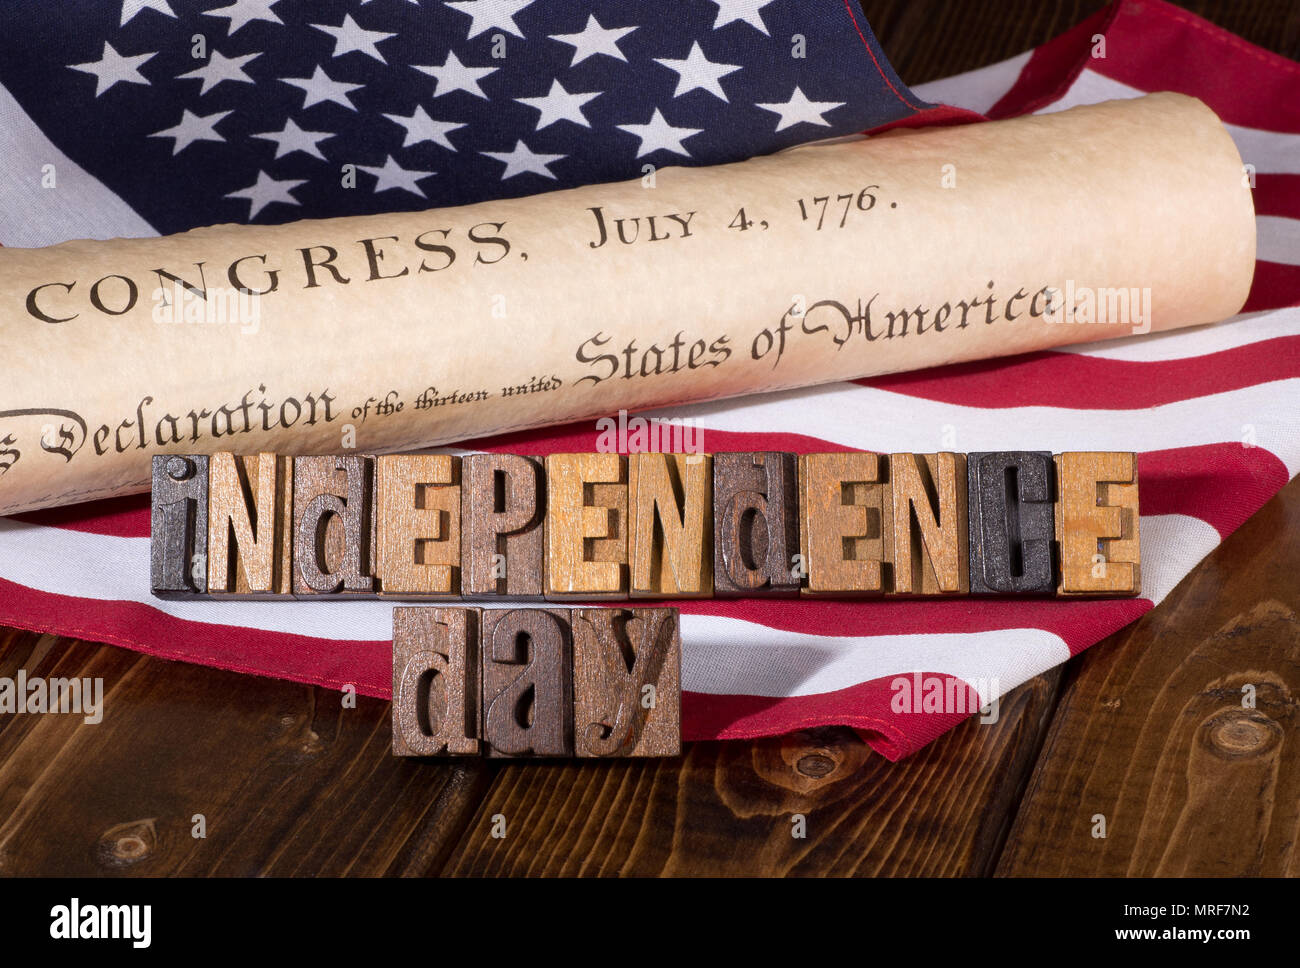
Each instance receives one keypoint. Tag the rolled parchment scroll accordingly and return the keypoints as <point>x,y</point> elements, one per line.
<point>826,262</point>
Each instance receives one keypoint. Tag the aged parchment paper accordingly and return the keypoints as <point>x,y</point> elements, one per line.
<point>821,263</point>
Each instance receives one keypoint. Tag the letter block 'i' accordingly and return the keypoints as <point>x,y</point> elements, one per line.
<point>178,532</point>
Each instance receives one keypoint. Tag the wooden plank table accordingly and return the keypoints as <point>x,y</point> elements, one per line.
<point>1145,730</point>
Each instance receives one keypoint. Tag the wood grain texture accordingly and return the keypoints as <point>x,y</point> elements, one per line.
<point>927,524</point>
<point>527,682</point>
<point>1157,735</point>
<point>1010,498</point>
<point>586,526</point>
<point>250,517</point>
<point>436,674</point>
<point>503,504</point>
<point>333,515</point>
<point>755,525</point>
<point>843,502</point>
<point>1097,523</point>
<point>627,682</point>
<point>418,521</point>
<point>670,553</point>
<point>178,525</point>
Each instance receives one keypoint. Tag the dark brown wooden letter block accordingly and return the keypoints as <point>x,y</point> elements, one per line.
<point>755,525</point>
<point>527,682</point>
<point>418,549</point>
<point>1097,523</point>
<point>178,525</point>
<point>626,682</point>
<point>1012,522</point>
<point>671,498</point>
<point>435,681</point>
<point>843,501</point>
<point>586,526</point>
<point>927,524</point>
<point>501,511</point>
<point>250,523</point>
<point>333,500</point>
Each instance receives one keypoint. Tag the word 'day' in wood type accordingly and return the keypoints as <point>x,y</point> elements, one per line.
<point>671,497</point>
<point>502,502</point>
<point>927,525</point>
<point>626,682</point>
<point>1097,523</point>
<point>843,504</point>
<point>586,526</point>
<point>332,503</point>
<point>1012,522</point>
<point>755,525</point>
<point>250,512</point>
<point>436,681</point>
<point>527,682</point>
<point>178,523</point>
<point>418,547</point>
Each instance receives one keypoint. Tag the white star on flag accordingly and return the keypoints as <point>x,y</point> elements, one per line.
<point>522,160</point>
<point>658,135</point>
<point>800,110</point>
<point>452,75</point>
<point>192,128</point>
<point>746,11</point>
<point>420,127</point>
<point>487,14</point>
<point>132,7</point>
<point>393,175</point>
<point>221,68</point>
<point>267,191</point>
<point>697,72</point>
<point>245,12</point>
<point>112,68</point>
<point>594,39</point>
<point>559,105</point>
<point>292,138</point>
<point>321,87</point>
<point>349,36</point>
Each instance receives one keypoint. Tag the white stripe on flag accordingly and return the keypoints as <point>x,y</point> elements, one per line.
<point>1278,239</point>
<point>976,90</point>
<point>867,418</point>
<point>1181,344</point>
<point>77,206</point>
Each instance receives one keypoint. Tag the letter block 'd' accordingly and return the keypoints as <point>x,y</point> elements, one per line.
<point>755,525</point>
<point>436,681</point>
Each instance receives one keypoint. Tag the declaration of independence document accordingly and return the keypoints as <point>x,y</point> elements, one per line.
<point>821,263</point>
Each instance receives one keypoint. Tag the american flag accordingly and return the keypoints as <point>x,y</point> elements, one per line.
<point>148,139</point>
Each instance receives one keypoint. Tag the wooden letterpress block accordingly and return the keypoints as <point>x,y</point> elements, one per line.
<point>755,524</point>
<point>626,682</point>
<point>927,523</point>
<point>586,526</point>
<point>1012,522</point>
<point>436,681</point>
<point>418,547</point>
<point>178,525</point>
<point>501,510</point>
<point>1097,523</point>
<point>843,500</point>
<point>333,501</point>
<point>671,535</point>
<point>250,525</point>
<point>527,682</point>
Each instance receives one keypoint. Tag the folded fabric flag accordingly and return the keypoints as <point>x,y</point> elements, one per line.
<point>1212,411</point>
